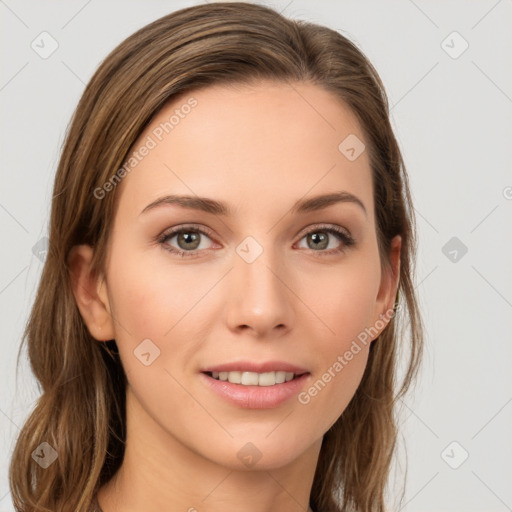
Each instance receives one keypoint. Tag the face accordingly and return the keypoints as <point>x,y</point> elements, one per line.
<point>269,281</point>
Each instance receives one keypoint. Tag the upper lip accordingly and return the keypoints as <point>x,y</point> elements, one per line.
<point>252,366</point>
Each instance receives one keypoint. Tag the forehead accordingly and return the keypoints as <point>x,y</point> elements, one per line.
<point>264,145</point>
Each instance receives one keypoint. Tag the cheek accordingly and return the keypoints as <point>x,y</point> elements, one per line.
<point>344,301</point>
<point>149,296</point>
<point>341,359</point>
<point>160,304</point>
<point>165,303</point>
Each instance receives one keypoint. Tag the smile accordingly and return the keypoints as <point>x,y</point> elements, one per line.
<point>265,390</point>
<point>253,378</point>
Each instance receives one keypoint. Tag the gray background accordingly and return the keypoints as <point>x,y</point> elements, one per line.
<point>452,117</point>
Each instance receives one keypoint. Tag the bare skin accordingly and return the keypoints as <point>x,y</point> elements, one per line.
<point>259,149</point>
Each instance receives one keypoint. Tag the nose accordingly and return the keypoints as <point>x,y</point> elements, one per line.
<point>260,299</point>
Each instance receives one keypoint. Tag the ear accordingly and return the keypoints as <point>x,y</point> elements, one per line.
<point>388,287</point>
<point>90,293</point>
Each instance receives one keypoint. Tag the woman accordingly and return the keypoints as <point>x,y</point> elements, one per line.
<point>217,323</point>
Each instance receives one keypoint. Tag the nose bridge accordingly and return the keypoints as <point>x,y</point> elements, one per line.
<point>260,299</point>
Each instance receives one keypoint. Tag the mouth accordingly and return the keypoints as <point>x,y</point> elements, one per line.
<point>255,390</point>
<point>246,378</point>
<point>255,384</point>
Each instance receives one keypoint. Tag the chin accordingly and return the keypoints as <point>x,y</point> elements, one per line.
<point>260,452</point>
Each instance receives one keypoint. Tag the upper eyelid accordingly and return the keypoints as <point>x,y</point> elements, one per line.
<point>325,225</point>
<point>175,231</point>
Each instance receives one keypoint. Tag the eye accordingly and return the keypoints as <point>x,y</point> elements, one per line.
<point>188,239</point>
<point>189,243</point>
<point>318,239</point>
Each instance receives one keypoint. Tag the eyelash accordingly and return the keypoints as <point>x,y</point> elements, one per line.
<point>347,240</point>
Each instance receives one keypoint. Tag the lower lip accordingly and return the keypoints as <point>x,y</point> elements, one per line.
<point>256,397</point>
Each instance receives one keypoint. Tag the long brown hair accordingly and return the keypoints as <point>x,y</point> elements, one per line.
<point>81,410</point>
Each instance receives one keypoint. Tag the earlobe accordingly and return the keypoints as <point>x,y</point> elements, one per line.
<point>90,293</point>
<point>385,304</point>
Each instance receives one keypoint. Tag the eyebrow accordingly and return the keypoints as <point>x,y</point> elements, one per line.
<point>215,207</point>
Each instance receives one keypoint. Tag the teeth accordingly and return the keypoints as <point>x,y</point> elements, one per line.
<point>253,378</point>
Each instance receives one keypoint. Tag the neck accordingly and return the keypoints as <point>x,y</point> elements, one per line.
<point>160,473</point>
